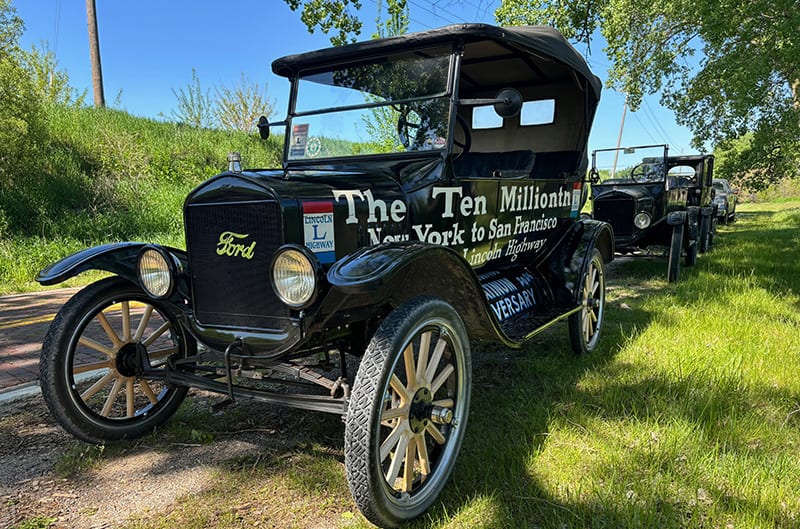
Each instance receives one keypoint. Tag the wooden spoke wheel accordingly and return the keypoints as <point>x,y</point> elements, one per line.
<point>408,411</point>
<point>584,326</point>
<point>89,358</point>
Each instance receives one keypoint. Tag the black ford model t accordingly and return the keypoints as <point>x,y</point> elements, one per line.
<point>429,196</point>
<point>658,200</point>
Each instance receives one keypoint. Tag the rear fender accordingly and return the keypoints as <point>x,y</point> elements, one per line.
<point>567,266</point>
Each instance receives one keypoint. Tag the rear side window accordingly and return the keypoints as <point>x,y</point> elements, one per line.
<point>540,112</point>
<point>486,118</point>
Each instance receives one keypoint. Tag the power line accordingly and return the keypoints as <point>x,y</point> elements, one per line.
<point>646,131</point>
<point>658,125</point>
<point>437,15</point>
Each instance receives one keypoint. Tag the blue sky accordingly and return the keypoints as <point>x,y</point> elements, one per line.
<point>149,48</point>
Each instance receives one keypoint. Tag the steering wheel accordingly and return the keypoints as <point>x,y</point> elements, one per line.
<point>638,174</point>
<point>406,130</point>
<point>467,142</point>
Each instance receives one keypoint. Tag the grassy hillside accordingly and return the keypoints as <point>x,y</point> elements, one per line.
<point>102,176</point>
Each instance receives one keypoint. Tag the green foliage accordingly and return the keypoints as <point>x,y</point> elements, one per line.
<point>102,175</point>
<point>195,105</point>
<point>327,15</point>
<point>37,522</point>
<point>745,80</point>
<point>51,85</point>
<point>239,108</point>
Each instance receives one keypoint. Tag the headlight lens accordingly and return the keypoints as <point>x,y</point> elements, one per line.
<point>294,277</point>
<point>155,274</point>
<point>641,220</point>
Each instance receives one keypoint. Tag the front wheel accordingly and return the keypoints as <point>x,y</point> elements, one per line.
<point>584,326</point>
<point>88,362</point>
<point>408,411</point>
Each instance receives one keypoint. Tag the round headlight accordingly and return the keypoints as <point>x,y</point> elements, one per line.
<point>155,274</point>
<point>641,220</point>
<point>294,277</point>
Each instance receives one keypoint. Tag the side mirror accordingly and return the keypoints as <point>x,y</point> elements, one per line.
<point>735,191</point>
<point>508,102</point>
<point>594,176</point>
<point>263,127</point>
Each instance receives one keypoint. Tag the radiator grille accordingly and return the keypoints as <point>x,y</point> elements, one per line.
<point>233,289</point>
<point>617,211</point>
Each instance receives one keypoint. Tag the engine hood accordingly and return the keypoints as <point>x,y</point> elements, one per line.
<point>326,208</point>
<point>617,192</point>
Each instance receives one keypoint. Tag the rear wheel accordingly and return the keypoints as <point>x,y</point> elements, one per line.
<point>705,233</point>
<point>88,361</point>
<point>675,249</point>
<point>408,411</point>
<point>691,249</point>
<point>584,326</point>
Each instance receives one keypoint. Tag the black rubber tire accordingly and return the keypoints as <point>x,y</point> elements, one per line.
<point>584,334</point>
<point>67,393</point>
<point>691,248</point>
<point>675,249</point>
<point>705,232</point>
<point>367,430</point>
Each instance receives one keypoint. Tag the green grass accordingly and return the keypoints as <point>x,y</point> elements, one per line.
<point>102,176</point>
<point>687,417</point>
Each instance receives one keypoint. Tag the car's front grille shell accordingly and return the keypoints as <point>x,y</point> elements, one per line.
<point>617,211</point>
<point>233,289</point>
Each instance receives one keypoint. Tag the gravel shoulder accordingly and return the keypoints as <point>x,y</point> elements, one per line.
<point>140,479</point>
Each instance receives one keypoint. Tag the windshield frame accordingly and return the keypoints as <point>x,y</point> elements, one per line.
<point>453,56</point>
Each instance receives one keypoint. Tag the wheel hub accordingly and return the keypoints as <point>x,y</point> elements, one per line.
<point>126,358</point>
<point>423,411</point>
<point>418,416</point>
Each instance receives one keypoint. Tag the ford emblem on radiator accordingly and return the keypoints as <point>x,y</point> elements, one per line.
<point>227,245</point>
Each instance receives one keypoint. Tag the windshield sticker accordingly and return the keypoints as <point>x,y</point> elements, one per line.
<point>576,199</point>
<point>318,230</point>
<point>299,140</point>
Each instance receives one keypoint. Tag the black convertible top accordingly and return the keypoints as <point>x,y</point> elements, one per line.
<point>538,40</point>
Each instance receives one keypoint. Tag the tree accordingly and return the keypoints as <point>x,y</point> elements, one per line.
<point>50,83</point>
<point>339,15</point>
<point>239,108</point>
<point>195,105</point>
<point>744,77</point>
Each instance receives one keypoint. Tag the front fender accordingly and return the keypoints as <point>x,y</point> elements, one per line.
<point>117,258</point>
<point>396,272</point>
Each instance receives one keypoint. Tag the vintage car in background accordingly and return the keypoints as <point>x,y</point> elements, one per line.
<point>725,198</point>
<point>657,200</point>
<point>429,195</point>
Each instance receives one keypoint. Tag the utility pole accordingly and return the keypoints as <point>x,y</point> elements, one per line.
<point>94,54</point>
<point>619,138</point>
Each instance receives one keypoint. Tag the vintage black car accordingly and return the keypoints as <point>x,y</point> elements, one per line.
<point>725,198</point>
<point>658,201</point>
<point>429,196</point>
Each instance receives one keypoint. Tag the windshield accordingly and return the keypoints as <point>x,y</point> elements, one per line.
<point>631,165</point>
<point>394,104</point>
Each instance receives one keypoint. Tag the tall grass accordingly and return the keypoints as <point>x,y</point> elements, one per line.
<point>103,175</point>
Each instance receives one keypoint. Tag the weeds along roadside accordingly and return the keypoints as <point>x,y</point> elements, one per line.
<point>102,175</point>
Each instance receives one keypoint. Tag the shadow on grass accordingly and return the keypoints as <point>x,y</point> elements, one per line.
<point>518,395</point>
